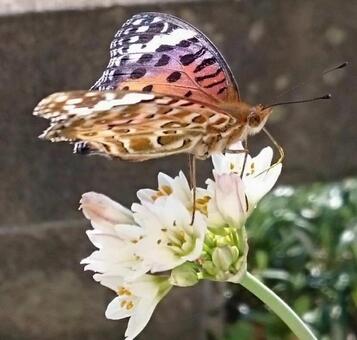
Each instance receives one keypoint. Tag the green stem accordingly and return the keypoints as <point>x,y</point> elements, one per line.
<point>278,306</point>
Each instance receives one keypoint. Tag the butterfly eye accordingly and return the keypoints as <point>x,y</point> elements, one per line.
<point>254,119</point>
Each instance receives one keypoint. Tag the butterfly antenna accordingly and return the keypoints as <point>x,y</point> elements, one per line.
<point>326,96</point>
<point>344,64</point>
<point>332,69</point>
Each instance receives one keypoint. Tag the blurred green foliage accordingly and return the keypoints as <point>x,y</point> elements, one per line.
<point>303,245</point>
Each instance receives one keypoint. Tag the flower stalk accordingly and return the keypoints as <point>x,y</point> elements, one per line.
<point>278,306</point>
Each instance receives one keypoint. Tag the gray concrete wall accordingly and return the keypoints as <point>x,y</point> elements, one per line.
<point>13,7</point>
<point>270,45</point>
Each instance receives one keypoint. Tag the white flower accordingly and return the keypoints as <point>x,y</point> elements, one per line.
<point>136,300</point>
<point>169,237</point>
<point>259,175</point>
<point>177,187</point>
<point>156,236</point>
<point>116,241</point>
<point>160,237</point>
<point>228,203</point>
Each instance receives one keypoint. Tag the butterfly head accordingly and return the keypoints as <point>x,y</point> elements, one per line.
<point>256,118</point>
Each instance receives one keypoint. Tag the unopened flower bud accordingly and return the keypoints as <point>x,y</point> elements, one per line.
<point>223,257</point>
<point>184,275</point>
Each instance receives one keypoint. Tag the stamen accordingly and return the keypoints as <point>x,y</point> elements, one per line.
<point>124,291</point>
<point>129,305</point>
<point>202,204</point>
<point>165,190</point>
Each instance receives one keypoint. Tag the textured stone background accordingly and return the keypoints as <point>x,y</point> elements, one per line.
<point>9,7</point>
<point>270,45</point>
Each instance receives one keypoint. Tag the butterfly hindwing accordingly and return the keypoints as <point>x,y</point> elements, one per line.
<point>129,125</point>
<point>160,53</point>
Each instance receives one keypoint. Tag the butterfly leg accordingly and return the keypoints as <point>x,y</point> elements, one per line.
<point>278,147</point>
<point>276,144</point>
<point>81,148</point>
<point>192,169</point>
<point>87,149</point>
<point>245,145</point>
<point>236,151</point>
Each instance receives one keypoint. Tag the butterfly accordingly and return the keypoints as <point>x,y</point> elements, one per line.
<point>166,90</point>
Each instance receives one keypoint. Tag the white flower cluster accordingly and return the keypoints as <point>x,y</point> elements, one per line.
<point>145,251</point>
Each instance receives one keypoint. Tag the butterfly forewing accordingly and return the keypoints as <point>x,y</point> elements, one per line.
<point>157,52</point>
<point>132,125</point>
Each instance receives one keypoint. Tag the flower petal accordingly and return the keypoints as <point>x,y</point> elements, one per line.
<point>258,186</point>
<point>155,288</point>
<point>115,311</point>
<point>141,317</point>
<point>103,212</point>
<point>230,162</point>
<point>264,158</point>
<point>230,199</point>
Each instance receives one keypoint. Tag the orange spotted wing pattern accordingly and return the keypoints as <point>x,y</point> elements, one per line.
<point>159,53</point>
<point>165,90</point>
<point>133,125</point>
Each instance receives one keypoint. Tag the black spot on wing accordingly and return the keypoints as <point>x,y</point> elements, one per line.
<point>204,64</point>
<point>173,77</point>
<point>165,48</point>
<point>207,76</point>
<point>164,60</point>
<point>138,73</point>
<point>221,90</point>
<point>147,88</point>
<point>184,43</point>
<point>144,38</point>
<point>193,40</point>
<point>171,27</point>
<point>156,27</point>
<point>187,59</point>
<point>145,58</point>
